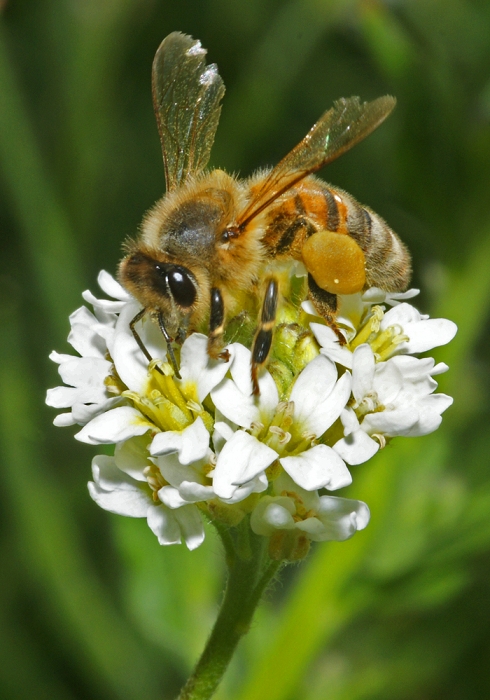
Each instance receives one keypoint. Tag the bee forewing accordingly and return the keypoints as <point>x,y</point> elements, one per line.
<point>341,127</point>
<point>186,98</point>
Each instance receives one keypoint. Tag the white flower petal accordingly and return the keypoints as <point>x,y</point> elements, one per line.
<point>318,467</point>
<point>428,334</point>
<point>193,492</point>
<point>258,484</point>
<point>339,354</point>
<point>271,514</point>
<point>163,523</point>
<point>387,382</point>
<point>429,414</point>
<point>329,410</point>
<point>198,368</point>
<point>63,420</point>
<point>191,526</point>
<point>115,491</point>
<point>116,425</point>
<point>132,504</point>
<point>191,444</point>
<point>363,365</point>
<point>242,376</point>
<point>106,305</point>
<point>175,473</point>
<point>61,396</point>
<point>391,422</point>
<point>234,398</point>
<point>171,497</point>
<point>83,413</point>
<point>195,442</point>
<point>241,459</point>
<point>332,507</point>
<point>278,517</point>
<point>85,372</point>
<point>222,433</point>
<point>308,308</point>
<point>350,311</point>
<point>313,386</point>
<point>316,403</point>
<point>88,345</point>
<point>402,314</point>
<point>357,447</point>
<point>240,368</point>
<point>234,405</point>
<point>315,529</point>
<point>349,421</point>
<point>131,364</point>
<point>341,518</point>
<point>112,288</point>
<point>374,295</point>
<point>108,476</point>
<point>131,457</point>
<point>60,357</point>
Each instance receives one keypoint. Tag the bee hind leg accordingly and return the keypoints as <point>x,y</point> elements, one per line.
<point>217,327</point>
<point>263,338</point>
<point>325,304</point>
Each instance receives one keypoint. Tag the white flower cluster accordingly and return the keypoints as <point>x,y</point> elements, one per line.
<point>202,444</point>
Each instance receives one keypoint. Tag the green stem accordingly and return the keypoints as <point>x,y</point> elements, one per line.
<point>247,581</point>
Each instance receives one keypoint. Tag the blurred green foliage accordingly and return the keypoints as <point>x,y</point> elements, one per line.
<point>90,605</point>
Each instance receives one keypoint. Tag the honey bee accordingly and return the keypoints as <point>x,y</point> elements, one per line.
<point>213,236</point>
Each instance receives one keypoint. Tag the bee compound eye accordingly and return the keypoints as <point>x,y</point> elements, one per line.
<point>182,287</point>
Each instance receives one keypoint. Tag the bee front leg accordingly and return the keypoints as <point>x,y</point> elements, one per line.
<point>170,350</point>
<point>136,336</point>
<point>217,327</point>
<point>325,304</point>
<point>263,339</point>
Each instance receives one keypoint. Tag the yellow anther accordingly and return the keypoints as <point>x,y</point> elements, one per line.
<point>370,326</point>
<point>380,438</point>
<point>256,428</point>
<point>165,367</point>
<point>170,415</point>
<point>113,384</point>
<point>283,436</point>
<point>173,393</point>
<point>382,340</point>
<point>146,407</point>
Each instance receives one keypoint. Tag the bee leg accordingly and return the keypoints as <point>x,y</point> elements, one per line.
<point>217,327</point>
<point>263,339</point>
<point>170,350</point>
<point>325,304</point>
<point>183,331</point>
<point>136,336</point>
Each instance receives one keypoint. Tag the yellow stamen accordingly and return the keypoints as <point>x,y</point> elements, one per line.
<point>371,326</point>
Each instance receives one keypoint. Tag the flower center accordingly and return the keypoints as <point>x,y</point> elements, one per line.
<point>301,512</point>
<point>383,343</point>
<point>370,403</point>
<point>155,480</point>
<point>166,402</point>
<point>283,434</point>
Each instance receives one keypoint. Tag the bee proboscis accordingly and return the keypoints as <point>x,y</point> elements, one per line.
<point>213,236</point>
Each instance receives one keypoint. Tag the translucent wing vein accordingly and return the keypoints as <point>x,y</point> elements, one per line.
<point>186,98</point>
<point>341,127</point>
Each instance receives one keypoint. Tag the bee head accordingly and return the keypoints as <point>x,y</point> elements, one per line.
<point>161,286</point>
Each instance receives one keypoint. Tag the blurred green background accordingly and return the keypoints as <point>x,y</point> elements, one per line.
<point>90,606</point>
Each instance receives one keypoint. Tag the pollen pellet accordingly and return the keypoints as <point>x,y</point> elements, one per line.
<point>335,261</point>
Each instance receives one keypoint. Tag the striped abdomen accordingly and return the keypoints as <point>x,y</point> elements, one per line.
<point>315,206</point>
